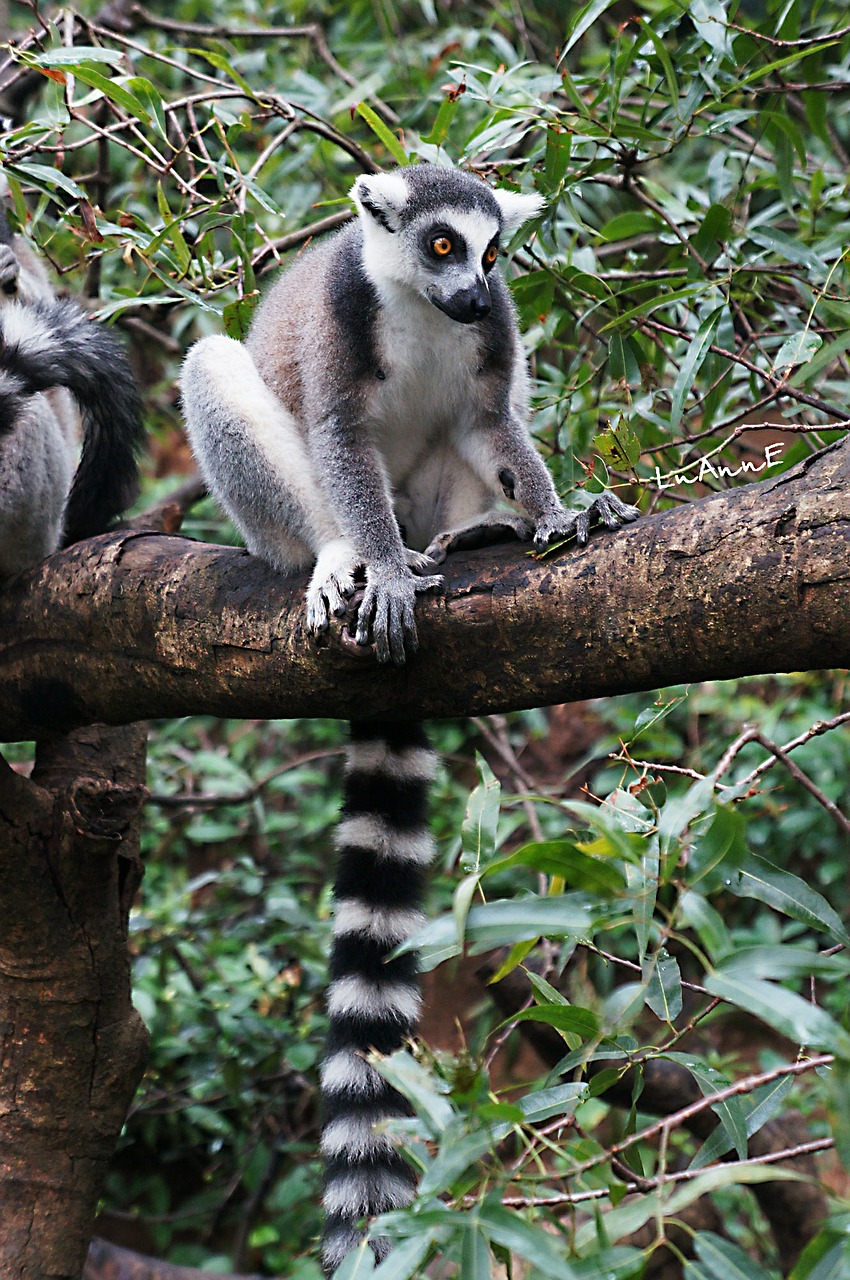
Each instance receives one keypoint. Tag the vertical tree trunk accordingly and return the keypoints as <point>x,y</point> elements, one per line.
<point>72,1047</point>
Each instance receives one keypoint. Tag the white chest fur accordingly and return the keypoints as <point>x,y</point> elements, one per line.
<point>429,365</point>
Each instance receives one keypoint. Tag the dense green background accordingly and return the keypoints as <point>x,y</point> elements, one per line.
<point>685,297</point>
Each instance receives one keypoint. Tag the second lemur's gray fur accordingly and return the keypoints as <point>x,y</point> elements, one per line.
<point>52,360</point>
<point>375,418</point>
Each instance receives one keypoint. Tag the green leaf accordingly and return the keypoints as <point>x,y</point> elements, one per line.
<point>789,1014</point>
<point>798,349</point>
<point>626,225</point>
<point>457,1152</point>
<point>664,990</point>
<point>221,63</point>
<point>405,1261</point>
<point>419,1087</point>
<point>787,893</point>
<point>730,1111</point>
<point>442,123</point>
<point>512,1232</point>
<point>724,841</point>
<point>579,870</point>
<point>388,138</point>
<point>762,1105</point>
<point>584,18</point>
<point>70,59</point>
<point>570,1020</point>
<point>357,1265</point>
<point>478,833</point>
<point>691,365</point>
<point>724,1260</point>
<point>475,1257</point>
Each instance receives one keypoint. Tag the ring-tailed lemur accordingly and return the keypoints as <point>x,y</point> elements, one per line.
<point>48,349</point>
<point>376,418</point>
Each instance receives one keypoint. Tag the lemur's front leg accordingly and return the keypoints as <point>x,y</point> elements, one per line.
<point>504,454</point>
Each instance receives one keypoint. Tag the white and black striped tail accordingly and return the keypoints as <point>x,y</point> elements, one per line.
<point>55,344</point>
<point>384,850</point>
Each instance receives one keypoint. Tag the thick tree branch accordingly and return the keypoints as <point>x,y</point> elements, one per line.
<point>134,625</point>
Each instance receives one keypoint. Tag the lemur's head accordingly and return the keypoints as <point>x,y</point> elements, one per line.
<point>437,230</point>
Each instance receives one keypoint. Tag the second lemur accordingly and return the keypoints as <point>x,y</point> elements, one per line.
<point>375,418</point>
<point>55,361</point>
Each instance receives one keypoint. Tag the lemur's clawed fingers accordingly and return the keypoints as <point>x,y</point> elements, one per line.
<point>558,526</point>
<point>386,615</point>
<point>332,585</point>
<point>607,509</point>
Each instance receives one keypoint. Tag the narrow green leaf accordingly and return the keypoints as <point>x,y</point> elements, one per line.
<point>357,1265</point>
<point>113,91</point>
<point>584,18</point>
<point>723,841</point>
<point>457,1152</point>
<point>760,1107</point>
<point>691,365</point>
<point>386,136</point>
<point>442,122</point>
<point>512,1232</point>
<point>730,1111</point>
<point>665,60</point>
<point>787,893</point>
<point>789,1014</point>
<point>475,1256</point>
<point>406,1260</point>
<point>725,1260</point>
<point>417,1085</point>
<point>45,178</point>
<point>570,1020</point>
<point>563,858</point>
<point>478,833</point>
<point>70,59</point>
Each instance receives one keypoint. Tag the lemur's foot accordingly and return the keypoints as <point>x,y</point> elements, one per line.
<point>418,561</point>
<point>332,584</point>
<point>386,614</point>
<point>491,527</point>
<point>558,526</point>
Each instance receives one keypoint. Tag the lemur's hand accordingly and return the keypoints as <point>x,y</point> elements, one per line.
<point>557,526</point>
<point>386,613</point>
<point>9,269</point>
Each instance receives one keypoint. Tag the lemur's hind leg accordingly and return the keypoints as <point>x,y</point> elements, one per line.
<point>481,530</point>
<point>256,461</point>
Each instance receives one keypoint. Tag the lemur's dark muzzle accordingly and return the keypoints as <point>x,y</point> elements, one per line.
<point>467,305</point>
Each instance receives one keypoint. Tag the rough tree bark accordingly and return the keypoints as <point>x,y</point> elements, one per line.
<point>72,1048</point>
<point>133,625</point>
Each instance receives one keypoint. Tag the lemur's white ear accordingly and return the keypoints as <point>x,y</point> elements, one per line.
<point>381,196</point>
<point>516,209</point>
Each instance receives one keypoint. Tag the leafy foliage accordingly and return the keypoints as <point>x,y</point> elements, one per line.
<point>686,304</point>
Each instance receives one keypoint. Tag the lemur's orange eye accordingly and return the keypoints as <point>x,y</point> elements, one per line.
<point>442,246</point>
<point>491,253</point>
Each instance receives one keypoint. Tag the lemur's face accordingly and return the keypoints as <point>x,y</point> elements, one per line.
<point>455,254</point>
<point>437,231</point>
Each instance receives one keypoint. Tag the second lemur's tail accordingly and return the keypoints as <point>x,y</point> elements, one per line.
<point>54,344</point>
<point>373,1003</point>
